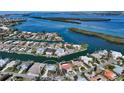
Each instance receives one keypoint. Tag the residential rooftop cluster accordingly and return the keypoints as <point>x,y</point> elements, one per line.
<point>41,44</point>
<point>99,66</point>
<point>40,48</point>
<point>45,36</point>
<point>11,21</point>
<point>8,33</point>
<point>6,23</point>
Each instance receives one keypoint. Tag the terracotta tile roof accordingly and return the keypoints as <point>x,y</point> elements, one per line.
<point>109,74</point>
<point>66,66</point>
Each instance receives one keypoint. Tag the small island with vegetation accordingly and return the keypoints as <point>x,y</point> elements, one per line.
<point>71,20</point>
<point>113,39</point>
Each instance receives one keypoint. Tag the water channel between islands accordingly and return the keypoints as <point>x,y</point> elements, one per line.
<point>42,59</point>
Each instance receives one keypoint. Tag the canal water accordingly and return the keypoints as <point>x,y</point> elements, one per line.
<point>42,59</point>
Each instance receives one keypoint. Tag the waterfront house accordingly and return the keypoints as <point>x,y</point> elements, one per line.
<point>15,68</point>
<point>24,67</point>
<point>49,52</point>
<point>77,46</point>
<point>12,64</point>
<point>58,45</point>
<point>86,59</point>
<point>115,54</point>
<point>36,69</point>
<point>40,51</point>
<point>3,62</point>
<point>100,54</point>
<point>29,51</point>
<point>60,52</point>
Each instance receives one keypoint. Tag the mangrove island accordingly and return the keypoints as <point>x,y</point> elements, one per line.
<point>110,38</point>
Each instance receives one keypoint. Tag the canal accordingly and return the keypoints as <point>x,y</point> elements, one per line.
<point>42,59</point>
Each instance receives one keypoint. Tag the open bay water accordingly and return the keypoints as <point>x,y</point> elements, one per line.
<point>114,27</point>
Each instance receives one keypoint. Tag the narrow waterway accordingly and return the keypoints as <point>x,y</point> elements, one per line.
<point>42,59</point>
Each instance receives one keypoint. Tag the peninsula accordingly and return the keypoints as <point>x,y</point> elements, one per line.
<point>44,44</point>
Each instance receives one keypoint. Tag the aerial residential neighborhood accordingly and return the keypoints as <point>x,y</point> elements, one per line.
<point>74,46</point>
<point>84,68</point>
<point>46,56</point>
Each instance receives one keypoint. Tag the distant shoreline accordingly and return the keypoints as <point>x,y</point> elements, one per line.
<point>66,20</point>
<point>72,20</point>
<point>113,39</point>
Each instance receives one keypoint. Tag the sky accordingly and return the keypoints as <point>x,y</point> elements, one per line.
<point>12,12</point>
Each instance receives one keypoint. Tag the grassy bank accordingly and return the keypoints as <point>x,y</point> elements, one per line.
<point>109,38</point>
